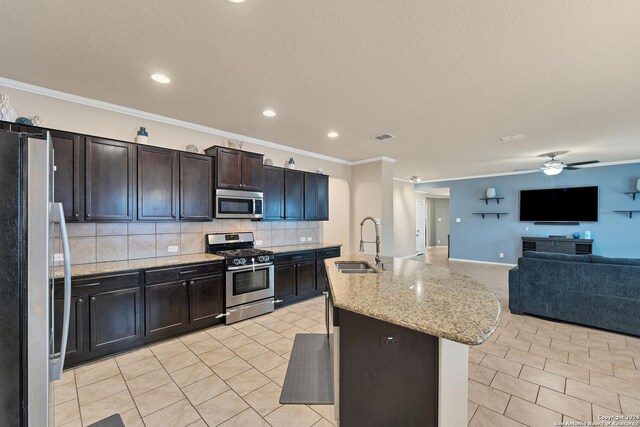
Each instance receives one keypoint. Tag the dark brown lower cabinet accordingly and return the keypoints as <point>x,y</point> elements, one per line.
<point>306,278</point>
<point>114,319</point>
<point>166,309</point>
<point>75,342</point>
<point>300,275</point>
<point>322,282</point>
<point>285,282</point>
<point>388,374</point>
<point>206,297</point>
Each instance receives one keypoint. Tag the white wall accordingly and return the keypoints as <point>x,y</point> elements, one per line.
<point>404,218</point>
<point>372,195</point>
<point>76,117</point>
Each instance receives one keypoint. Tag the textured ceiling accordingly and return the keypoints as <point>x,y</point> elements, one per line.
<point>448,78</point>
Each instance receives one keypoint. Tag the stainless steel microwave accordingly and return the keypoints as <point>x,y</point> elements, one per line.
<point>238,204</point>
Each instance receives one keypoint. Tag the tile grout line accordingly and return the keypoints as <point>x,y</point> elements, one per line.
<point>127,385</point>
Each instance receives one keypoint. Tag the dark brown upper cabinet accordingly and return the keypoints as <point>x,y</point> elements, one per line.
<point>157,184</point>
<point>196,187</point>
<point>236,169</point>
<point>316,197</point>
<point>293,194</point>
<point>273,193</point>
<point>68,170</point>
<point>109,180</point>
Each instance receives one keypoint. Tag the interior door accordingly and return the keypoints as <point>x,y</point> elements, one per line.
<point>420,226</point>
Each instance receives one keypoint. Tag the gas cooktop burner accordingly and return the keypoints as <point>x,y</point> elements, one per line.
<point>243,252</point>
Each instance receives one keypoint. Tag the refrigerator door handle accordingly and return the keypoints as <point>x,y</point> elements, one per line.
<point>57,361</point>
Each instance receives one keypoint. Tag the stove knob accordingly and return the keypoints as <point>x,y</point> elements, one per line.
<point>236,262</point>
<point>243,261</point>
<point>260,259</point>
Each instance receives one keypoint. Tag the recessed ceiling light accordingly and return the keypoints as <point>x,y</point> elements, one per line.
<point>333,134</point>
<point>414,179</point>
<point>235,1</point>
<point>160,78</point>
<point>511,138</point>
<point>269,113</point>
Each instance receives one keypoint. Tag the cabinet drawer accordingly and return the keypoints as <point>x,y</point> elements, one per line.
<point>182,272</point>
<point>101,283</point>
<point>329,253</point>
<point>294,257</point>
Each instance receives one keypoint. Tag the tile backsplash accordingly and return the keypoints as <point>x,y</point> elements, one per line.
<point>102,242</point>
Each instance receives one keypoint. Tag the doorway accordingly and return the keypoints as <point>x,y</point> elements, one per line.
<point>421,226</point>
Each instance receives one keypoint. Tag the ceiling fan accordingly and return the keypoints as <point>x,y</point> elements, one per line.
<point>554,167</point>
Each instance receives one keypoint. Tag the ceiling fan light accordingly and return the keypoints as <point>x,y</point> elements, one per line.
<point>552,171</point>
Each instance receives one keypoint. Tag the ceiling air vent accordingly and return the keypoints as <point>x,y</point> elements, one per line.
<point>383,136</point>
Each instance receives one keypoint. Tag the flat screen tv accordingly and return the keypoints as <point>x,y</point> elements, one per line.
<point>573,204</point>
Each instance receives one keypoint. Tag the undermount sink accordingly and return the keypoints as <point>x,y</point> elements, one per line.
<point>355,267</point>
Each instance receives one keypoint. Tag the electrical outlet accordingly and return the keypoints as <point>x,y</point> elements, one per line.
<point>173,248</point>
<point>458,219</point>
<point>438,241</point>
<point>587,234</point>
<point>439,219</point>
<point>309,239</point>
<point>258,242</point>
<point>303,239</point>
<point>58,257</point>
<point>501,255</point>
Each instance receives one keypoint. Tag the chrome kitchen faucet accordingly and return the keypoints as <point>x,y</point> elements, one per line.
<point>377,242</point>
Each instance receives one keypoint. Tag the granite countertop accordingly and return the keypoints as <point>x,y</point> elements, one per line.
<point>135,264</point>
<point>296,248</point>
<point>418,296</point>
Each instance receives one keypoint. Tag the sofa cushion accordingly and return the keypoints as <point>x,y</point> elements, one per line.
<point>597,259</point>
<point>556,256</point>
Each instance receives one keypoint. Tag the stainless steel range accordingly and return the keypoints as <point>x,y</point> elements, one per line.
<point>249,275</point>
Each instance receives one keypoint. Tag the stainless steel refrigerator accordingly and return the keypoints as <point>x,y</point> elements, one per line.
<point>29,221</point>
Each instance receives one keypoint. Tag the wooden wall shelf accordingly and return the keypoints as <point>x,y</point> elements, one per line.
<point>630,213</point>
<point>491,213</point>
<point>486,199</point>
<point>633,194</point>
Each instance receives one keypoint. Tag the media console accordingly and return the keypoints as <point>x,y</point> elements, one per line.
<point>563,245</point>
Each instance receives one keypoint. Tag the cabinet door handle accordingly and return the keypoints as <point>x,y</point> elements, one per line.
<point>188,271</point>
<point>296,257</point>
<point>191,283</point>
<point>184,284</point>
<point>80,301</point>
<point>278,301</point>
<point>221,315</point>
<point>93,299</point>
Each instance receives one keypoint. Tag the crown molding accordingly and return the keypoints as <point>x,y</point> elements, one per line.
<point>373,159</point>
<point>595,165</point>
<point>76,99</point>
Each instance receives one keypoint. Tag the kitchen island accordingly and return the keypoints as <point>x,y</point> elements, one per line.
<point>402,336</point>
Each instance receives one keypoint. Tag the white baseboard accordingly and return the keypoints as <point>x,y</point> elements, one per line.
<point>482,262</point>
<point>408,256</point>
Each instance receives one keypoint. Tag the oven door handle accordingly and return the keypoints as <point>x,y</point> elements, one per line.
<point>250,266</point>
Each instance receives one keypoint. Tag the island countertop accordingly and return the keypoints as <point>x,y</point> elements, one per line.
<point>427,298</point>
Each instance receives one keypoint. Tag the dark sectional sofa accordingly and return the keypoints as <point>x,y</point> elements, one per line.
<point>586,289</point>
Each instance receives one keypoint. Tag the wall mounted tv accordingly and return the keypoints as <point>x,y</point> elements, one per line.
<point>573,204</point>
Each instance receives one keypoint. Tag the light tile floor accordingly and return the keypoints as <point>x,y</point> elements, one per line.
<point>531,372</point>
